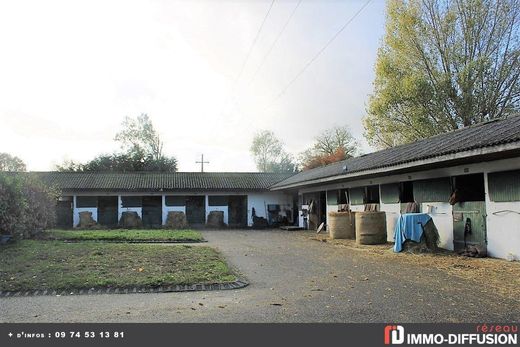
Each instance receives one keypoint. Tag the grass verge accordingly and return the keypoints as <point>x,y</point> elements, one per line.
<point>125,235</point>
<point>32,265</point>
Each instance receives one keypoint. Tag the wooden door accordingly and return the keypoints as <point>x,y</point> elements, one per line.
<point>473,213</point>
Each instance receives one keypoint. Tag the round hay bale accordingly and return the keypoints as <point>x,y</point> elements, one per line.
<point>130,219</point>
<point>370,228</point>
<point>176,220</point>
<point>215,219</point>
<point>341,225</point>
<point>86,221</point>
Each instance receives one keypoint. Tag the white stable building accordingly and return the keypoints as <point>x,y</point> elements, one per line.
<point>481,163</point>
<point>152,195</point>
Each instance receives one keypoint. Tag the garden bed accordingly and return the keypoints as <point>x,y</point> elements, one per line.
<point>53,265</point>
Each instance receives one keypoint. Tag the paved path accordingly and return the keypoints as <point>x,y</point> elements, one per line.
<point>293,279</point>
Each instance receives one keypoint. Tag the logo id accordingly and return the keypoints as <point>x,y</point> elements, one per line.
<point>394,334</point>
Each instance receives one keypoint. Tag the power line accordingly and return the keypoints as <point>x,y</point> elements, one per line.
<point>317,55</point>
<point>253,44</point>
<point>264,58</point>
<point>247,56</point>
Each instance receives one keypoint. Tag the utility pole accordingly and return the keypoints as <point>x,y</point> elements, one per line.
<point>202,162</point>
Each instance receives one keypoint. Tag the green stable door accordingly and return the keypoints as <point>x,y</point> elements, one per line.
<point>469,225</point>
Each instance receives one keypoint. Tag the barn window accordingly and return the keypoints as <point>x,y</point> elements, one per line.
<point>86,201</point>
<point>343,196</point>
<point>390,193</point>
<point>469,187</point>
<point>132,201</point>
<point>357,196</point>
<point>217,200</point>
<point>504,186</point>
<point>432,190</point>
<point>175,200</point>
<point>372,195</point>
<point>332,197</point>
<point>406,192</point>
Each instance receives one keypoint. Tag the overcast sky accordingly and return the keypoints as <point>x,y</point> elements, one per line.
<point>70,71</point>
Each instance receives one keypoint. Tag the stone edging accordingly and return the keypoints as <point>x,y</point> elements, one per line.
<point>238,284</point>
<point>131,241</point>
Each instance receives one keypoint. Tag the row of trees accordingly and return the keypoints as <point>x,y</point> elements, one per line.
<point>332,145</point>
<point>141,149</point>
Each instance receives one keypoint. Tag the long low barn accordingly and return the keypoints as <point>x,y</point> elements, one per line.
<point>152,195</point>
<point>481,163</point>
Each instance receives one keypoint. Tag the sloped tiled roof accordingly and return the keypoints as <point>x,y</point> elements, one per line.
<point>488,134</point>
<point>153,182</point>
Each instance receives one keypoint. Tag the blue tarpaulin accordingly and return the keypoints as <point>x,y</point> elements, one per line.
<point>409,227</point>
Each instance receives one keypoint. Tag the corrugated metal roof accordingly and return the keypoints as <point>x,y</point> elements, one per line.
<point>492,133</point>
<point>153,181</point>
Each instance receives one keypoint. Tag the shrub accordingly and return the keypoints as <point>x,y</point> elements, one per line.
<point>27,206</point>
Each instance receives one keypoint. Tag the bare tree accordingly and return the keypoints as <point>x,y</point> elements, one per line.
<point>332,145</point>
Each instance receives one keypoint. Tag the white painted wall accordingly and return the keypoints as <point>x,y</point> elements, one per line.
<point>393,212</point>
<point>259,202</point>
<point>503,229</point>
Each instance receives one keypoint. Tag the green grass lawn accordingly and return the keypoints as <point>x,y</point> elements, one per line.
<point>125,235</point>
<point>31,265</point>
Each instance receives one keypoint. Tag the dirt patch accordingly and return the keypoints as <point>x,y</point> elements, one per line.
<point>501,275</point>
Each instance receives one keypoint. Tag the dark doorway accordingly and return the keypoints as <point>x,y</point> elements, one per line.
<point>323,208</point>
<point>372,195</point>
<point>107,211</point>
<point>469,187</point>
<point>152,211</point>
<point>196,210</point>
<point>295,209</point>
<point>64,212</point>
<point>237,211</point>
<point>406,192</point>
<point>312,200</point>
<point>469,212</point>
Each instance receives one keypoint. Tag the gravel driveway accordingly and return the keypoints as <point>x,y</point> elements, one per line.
<point>292,279</point>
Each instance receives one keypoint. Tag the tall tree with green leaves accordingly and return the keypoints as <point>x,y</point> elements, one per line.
<point>141,150</point>
<point>269,154</point>
<point>443,65</point>
<point>139,137</point>
<point>12,163</point>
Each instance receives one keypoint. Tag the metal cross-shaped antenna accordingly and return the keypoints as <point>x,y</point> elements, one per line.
<point>202,162</point>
